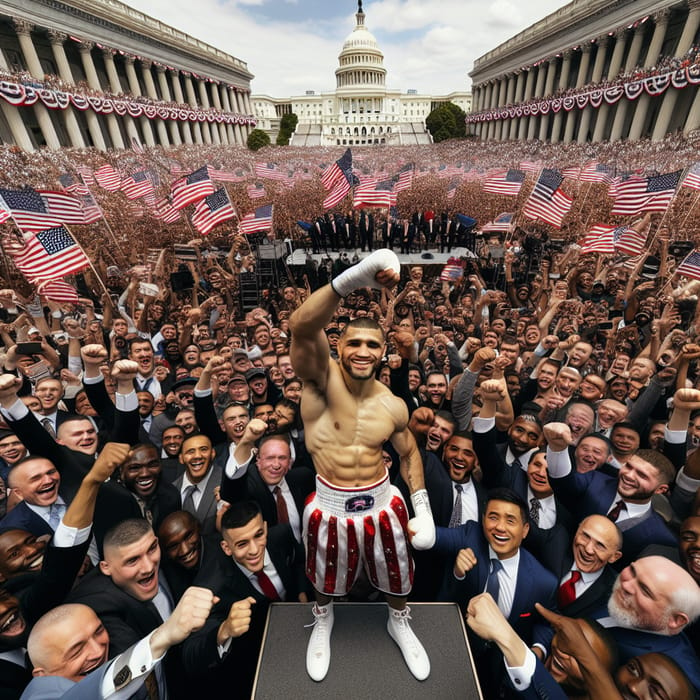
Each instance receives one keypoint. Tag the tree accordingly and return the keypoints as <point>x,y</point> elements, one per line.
<point>257,139</point>
<point>446,122</point>
<point>287,125</point>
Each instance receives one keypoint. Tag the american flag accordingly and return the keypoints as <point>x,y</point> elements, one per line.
<point>692,179</point>
<point>371,193</point>
<point>72,184</point>
<point>86,174</point>
<point>690,267</point>
<point>137,185</point>
<point>256,190</point>
<point>337,194</point>
<point>547,201</point>
<point>239,175</point>
<point>108,178</point>
<point>596,172</point>
<point>452,188</point>
<point>530,166</point>
<point>136,210</point>
<point>221,175</point>
<point>259,220</point>
<point>629,241</point>
<point>270,171</point>
<point>48,255</point>
<point>165,211</point>
<point>91,210</point>
<point>506,182</point>
<point>336,170</point>
<point>404,178</point>
<point>600,239</point>
<point>58,291</point>
<point>640,194</point>
<point>573,172</point>
<point>34,210</point>
<point>453,270</point>
<point>191,188</point>
<point>212,210</point>
<point>503,222</point>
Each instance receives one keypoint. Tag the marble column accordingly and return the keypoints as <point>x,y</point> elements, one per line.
<point>539,87</point>
<point>527,95</point>
<point>204,101</point>
<point>670,98</point>
<point>192,101</point>
<point>237,128</point>
<point>596,76</point>
<point>172,124</point>
<point>226,104</point>
<point>630,63</point>
<point>153,94</point>
<point>642,107</point>
<point>115,85</point>
<point>85,49</point>
<point>57,40</point>
<point>563,85</point>
<point>602,121</point>
<point>517,99</point>
<point>216,99</point>
<point>135,89</point>
<point>24,35</point>
<point>581,79</point>
<point>19,131</point>
<point>548,90</point>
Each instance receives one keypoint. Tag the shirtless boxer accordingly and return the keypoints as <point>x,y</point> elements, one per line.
<point>356,517</point>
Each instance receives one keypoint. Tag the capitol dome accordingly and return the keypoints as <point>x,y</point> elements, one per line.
<point>361,62</point>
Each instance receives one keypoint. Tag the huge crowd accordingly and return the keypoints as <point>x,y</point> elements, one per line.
<point>554,396</point>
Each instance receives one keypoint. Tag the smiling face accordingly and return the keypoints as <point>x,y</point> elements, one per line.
<point>13,626</point>
<point>439,433</point>
<point>504,527</point>
<point>36,481</point>
<point>273,461</point>
<point>134,567</point>
<point>360,351</point>
<point>523,436</point>
<point>652,677</point>
<point>76,646</point>
<point>639,481</point>
<point>591,453</point>
<point>20,553</point>
<point>197,455</point>
<point>49,392</point>
<point>246,544</point>
<point>235,418</point>
<point>141,352</point>
<point>78,435</point>
<point>537,476</point>
<point>141,471</point>
<point>690,545</point>
<point>596,543</point>
<point>180,540</point>
<point>459,458</point>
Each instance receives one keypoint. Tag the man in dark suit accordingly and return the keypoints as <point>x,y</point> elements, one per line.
<point>197,485</point>
<point>37,482</point>
<point>263,566</point>
<point>626,500</point>
<point>49,391</point>
<point>69,647</point>
<point>587,578</point>
<point>280,492</point>
<point>488,557</point>
<point>652,603</point>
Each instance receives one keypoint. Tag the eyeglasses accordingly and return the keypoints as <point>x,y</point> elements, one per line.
<point>185,395</point>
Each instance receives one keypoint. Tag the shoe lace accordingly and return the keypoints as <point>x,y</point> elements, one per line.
<point>319,617</point>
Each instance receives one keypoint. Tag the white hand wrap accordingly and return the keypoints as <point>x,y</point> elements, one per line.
<point>363,274</point>
<point>422,526</point>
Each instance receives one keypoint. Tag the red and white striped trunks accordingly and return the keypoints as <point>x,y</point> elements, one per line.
<point>346,527</point>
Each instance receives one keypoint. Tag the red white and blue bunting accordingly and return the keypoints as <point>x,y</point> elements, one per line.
<point>25,95</point>
<point>654,85</point>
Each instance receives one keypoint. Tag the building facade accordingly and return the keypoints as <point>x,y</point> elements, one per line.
<point>361,111</point>
<point>594,70</point>
<point>97,73</point>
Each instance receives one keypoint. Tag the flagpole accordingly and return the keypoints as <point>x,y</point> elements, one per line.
<point>668,208</point>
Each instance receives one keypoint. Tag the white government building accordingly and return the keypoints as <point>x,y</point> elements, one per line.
<point>362,110</point>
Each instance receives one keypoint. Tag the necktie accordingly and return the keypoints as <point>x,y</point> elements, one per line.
<point>614,514</point>
<point>266,585</point>
<point>492,584</point>
<point>56,511</point>
<point>456,517</point>
<point>282,512</point>
<point>567,591</point>
<point>151,686</point>
<point>48,426</point>
<point>535,507</point>
<point>188,500</point>
<point>516,464</point>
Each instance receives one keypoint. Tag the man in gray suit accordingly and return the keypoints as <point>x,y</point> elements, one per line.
<point>62,672</point>
<point>197,484</point>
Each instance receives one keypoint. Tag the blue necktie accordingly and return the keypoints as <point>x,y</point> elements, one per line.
<point>492,585</point>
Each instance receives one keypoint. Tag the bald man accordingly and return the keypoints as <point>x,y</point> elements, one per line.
<point>69,649</point>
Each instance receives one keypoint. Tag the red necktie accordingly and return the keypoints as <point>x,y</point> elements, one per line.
<point>614,514</point>
<point>267,586</point>
<point>567,591</point>
<point>282,512</point>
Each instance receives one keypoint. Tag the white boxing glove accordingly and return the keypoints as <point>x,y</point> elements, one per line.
<point>421,528</point>
<point>363,274</point>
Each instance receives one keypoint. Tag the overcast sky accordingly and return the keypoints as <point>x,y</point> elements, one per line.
<point>292,45</point>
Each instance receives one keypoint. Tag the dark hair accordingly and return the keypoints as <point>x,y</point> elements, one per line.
<point>662,464</point>
<point>239,514</point>
<point>126,532</point>
<point>363,322</point>
<point>509,496</point>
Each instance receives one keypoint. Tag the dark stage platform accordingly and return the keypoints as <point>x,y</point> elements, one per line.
<point>365,662</point>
